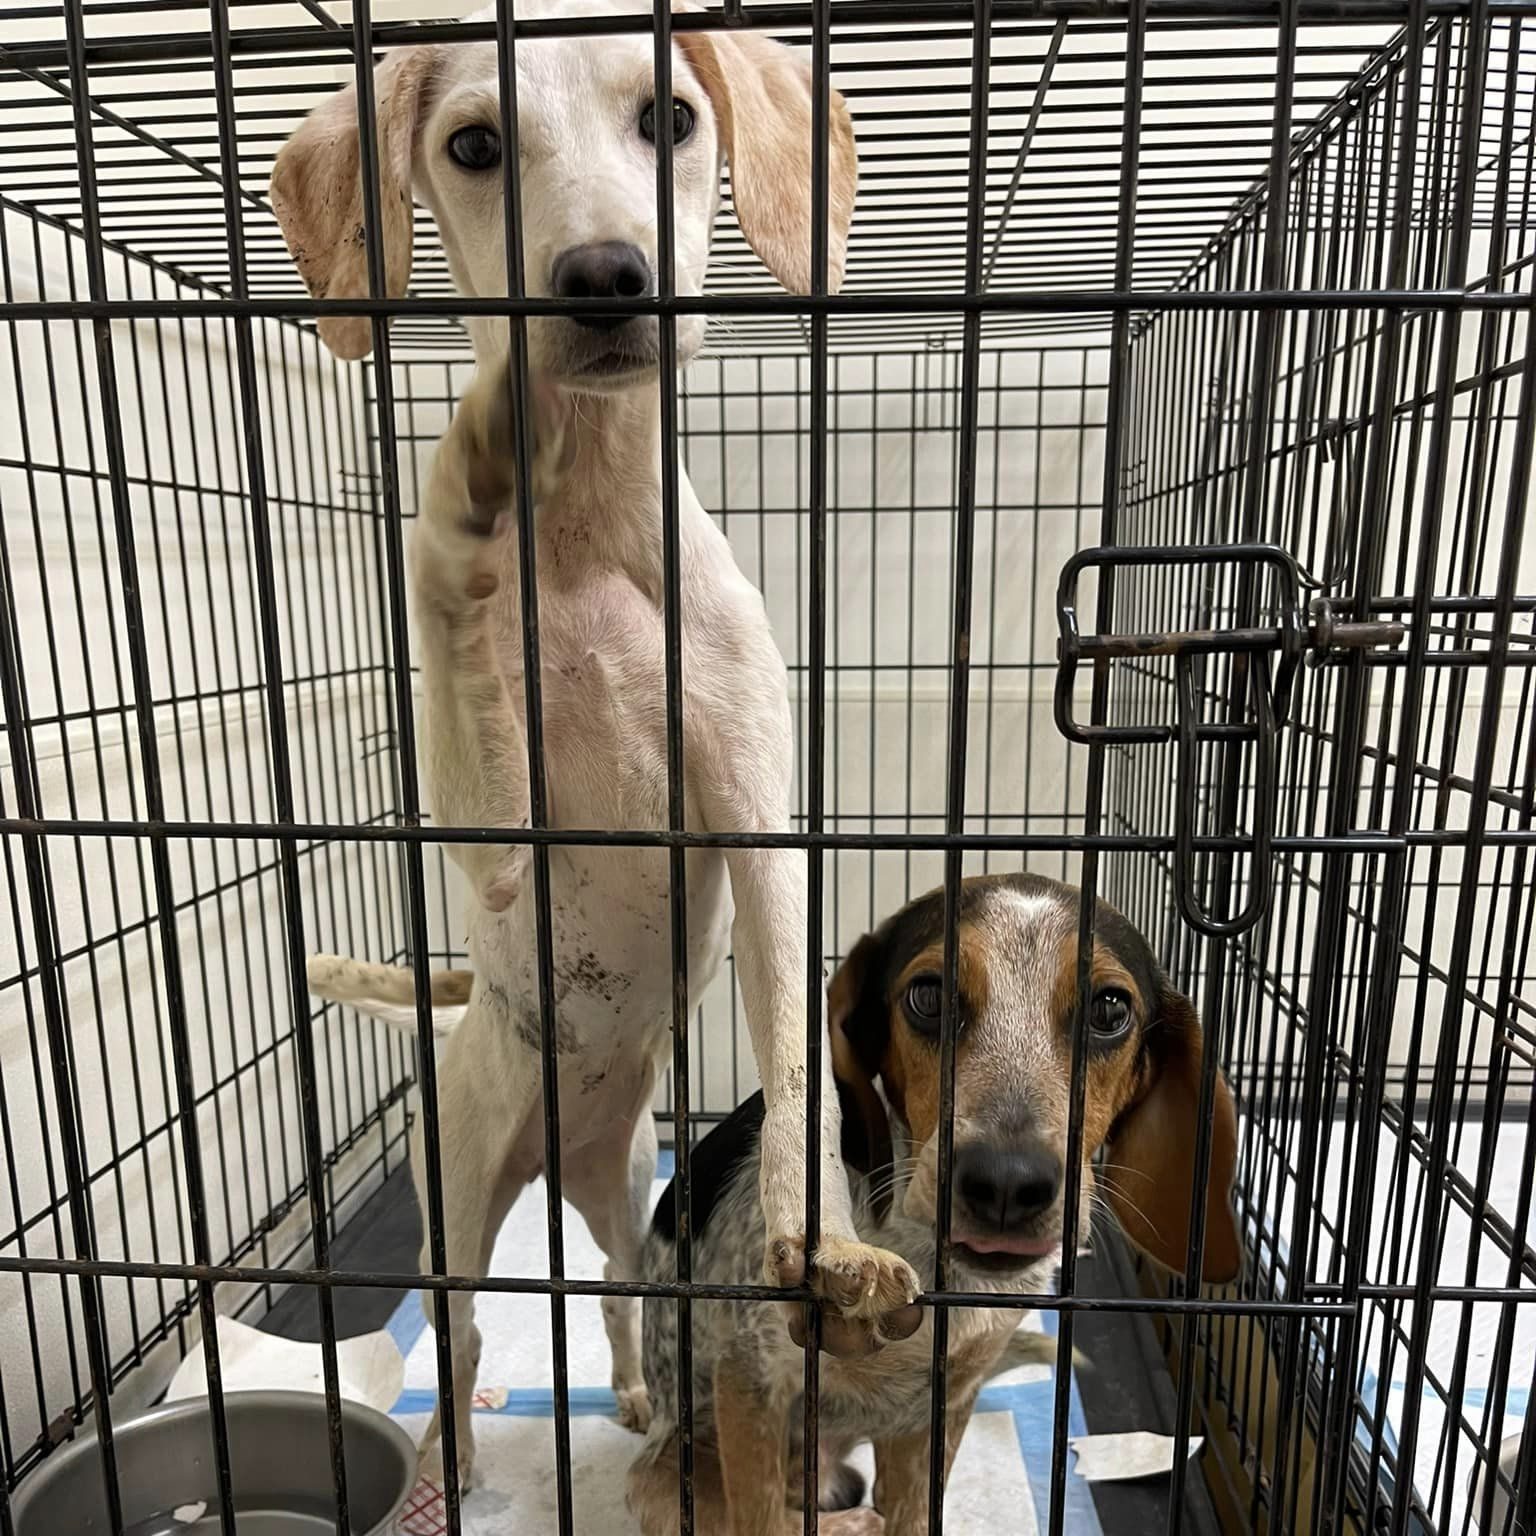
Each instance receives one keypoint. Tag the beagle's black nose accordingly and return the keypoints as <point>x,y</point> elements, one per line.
<point>607,269</point>
<point>1002,1190</point>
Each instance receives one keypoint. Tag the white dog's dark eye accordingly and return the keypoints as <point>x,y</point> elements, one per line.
<point>476,149</point>
<point>682,121</point>
<point>1110,1015</point>
<point>924,1003</point>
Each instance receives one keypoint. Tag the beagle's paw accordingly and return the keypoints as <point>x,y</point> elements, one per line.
<point>867,1296</point>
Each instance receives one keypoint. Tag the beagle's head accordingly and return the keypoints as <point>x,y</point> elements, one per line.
<point>1017,973</point>
<point>587,126</point>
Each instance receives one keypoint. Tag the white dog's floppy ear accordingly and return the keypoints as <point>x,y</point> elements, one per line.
<point>761,93</point>
<point>317,193</point>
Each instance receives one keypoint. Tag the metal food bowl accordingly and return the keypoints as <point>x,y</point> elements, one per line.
<point>280,1473</point>
<point>1509,1459</point>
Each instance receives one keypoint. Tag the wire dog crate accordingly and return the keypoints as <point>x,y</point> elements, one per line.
<point>1240,292</point>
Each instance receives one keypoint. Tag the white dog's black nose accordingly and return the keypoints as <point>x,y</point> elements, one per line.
<point>606,269</point>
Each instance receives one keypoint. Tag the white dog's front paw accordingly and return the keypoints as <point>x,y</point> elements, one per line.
<point>499,889</point>
<point>634,1408</point>
<point>476,462</point>
<point>431,1464</point>
<point>867,1296</point>
<point>473,486</point>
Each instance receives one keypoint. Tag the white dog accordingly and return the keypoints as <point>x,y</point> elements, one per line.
<point>586,129</point>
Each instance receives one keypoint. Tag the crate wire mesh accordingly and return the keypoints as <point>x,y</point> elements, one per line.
<point>1071,317</point>
<point>1379,1039</point>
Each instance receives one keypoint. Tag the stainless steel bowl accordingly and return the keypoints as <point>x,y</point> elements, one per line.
<point>280,1469</point>
<point>1509,1458</point>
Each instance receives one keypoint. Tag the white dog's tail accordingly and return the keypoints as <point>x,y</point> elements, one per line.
<point>388,992</point>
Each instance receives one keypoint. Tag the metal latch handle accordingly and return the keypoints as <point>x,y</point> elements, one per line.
<point>1270,686</point>
<point>1266,748</point>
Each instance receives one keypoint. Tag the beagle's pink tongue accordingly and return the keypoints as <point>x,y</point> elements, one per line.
<point>1003,1242</point>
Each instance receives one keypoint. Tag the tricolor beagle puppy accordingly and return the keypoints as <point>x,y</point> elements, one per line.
<point>1018,950</point>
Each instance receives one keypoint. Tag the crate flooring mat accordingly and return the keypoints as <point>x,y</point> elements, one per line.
<point>1001,1478</point>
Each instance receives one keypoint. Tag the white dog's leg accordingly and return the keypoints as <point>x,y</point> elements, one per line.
<point>609,1182</point>
<point>744,781</point>
<point>869,1285</point>
<point>462,553</point>
<point>488,1111</point>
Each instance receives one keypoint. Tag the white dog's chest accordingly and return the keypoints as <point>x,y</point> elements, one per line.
<point>604,710</point>
<point>604,685</point>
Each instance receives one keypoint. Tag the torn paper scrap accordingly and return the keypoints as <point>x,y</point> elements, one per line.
<point>370,1367</point>
<point>1120,1458</point>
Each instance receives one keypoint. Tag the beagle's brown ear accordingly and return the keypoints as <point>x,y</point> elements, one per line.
<point>317,192</point>
<point>856,1025</point>
<point>1152,1147</point>
<point>761,93</point>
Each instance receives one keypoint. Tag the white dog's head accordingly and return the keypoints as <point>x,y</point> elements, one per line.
<point>586,127</point>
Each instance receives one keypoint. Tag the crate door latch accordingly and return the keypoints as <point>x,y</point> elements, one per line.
<point>1267,656</point>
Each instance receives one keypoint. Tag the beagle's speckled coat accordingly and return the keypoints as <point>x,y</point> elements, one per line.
<point>1017,980</point>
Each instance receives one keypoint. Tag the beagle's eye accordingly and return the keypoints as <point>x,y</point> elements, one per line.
<point>475,148</point>
<point>682,121</point>
<point>924,1003</point>
<point>1110,1015</point>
